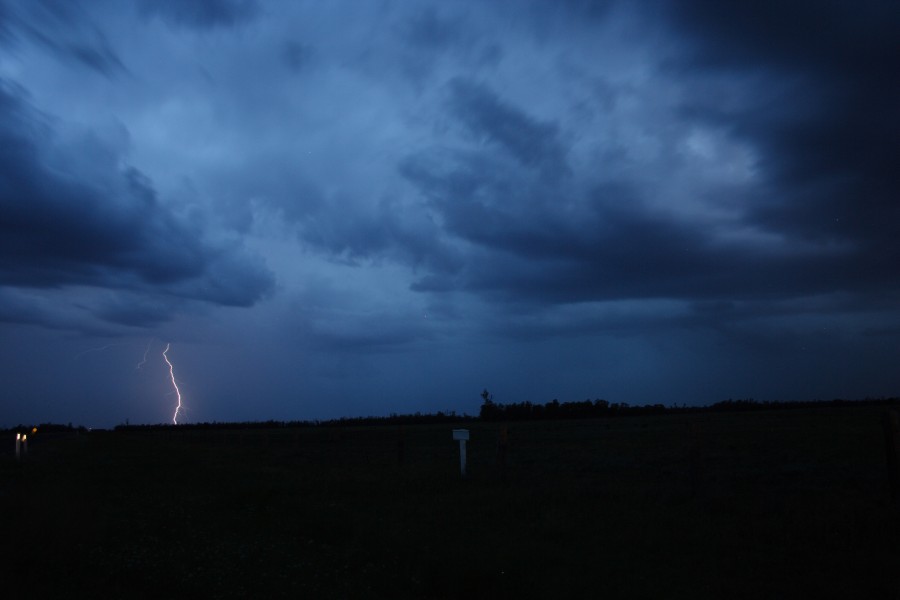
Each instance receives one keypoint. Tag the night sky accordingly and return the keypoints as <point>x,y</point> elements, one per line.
<point>357,208</point>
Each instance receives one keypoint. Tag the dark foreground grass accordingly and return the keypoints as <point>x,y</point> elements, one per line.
<point>782,504</point>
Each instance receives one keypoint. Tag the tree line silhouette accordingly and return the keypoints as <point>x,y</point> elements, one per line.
<point>587,409</point>
<point>492,411</point>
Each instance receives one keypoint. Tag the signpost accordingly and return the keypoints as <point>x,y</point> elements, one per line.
<point>462,435</point>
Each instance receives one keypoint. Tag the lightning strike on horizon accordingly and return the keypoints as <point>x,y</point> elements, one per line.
<point>175,385</point>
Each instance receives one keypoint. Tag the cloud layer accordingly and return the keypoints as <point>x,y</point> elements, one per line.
<point>360,187</point>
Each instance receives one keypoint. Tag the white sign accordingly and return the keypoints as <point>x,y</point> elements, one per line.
<point>462,435</point>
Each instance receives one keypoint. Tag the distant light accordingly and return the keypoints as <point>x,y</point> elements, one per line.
<point>18,436</point>
<point>34,430</point>
<point>24,437</point>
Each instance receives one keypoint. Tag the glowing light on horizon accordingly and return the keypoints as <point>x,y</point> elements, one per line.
<point>174,384</point>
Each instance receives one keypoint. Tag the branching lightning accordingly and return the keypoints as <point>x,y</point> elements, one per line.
<point>97,349</point>
<point>174,384</point>
<point>146,352</point>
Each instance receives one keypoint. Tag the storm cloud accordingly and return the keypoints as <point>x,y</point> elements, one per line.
<point>368,208</point>
<point>73,213</point>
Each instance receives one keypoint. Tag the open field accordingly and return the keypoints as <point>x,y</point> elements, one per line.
<point>775,504</point>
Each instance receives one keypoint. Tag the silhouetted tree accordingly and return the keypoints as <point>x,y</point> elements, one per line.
<point>489,411</point>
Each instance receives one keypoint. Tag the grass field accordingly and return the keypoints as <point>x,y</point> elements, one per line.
<point>777,504</point>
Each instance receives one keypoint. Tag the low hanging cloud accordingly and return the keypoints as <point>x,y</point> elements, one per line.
<point>201,14</point>
<point>818,215</point>
<point>64,224</point>
<point>823,114</point>
<point>64,30</point>
<point>533,143</point>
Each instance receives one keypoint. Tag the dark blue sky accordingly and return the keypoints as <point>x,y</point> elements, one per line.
<point>354,208</point>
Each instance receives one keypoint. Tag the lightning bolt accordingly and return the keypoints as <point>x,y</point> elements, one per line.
<point>97,349</point>
<point>146,352</point>
<point>175,385</point>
